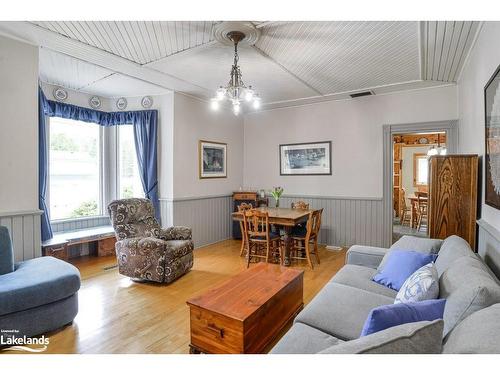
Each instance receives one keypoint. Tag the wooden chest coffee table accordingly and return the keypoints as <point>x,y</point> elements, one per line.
<point>247,312</point>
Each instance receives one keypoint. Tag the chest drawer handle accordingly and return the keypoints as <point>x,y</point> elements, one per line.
<point>217,330</point>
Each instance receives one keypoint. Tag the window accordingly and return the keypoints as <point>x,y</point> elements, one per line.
<point>129,181</point>
<point>420,169</point>
<point>75,160</point>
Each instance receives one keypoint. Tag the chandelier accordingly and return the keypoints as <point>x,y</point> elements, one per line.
<point>439,150</point>
<point>235,91</point>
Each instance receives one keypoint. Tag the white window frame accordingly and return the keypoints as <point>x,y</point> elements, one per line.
<point>102,176</point>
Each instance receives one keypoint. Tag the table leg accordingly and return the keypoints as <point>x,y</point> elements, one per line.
<point>287,239</point>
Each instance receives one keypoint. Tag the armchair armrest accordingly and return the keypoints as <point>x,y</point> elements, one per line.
<point>176,233</point>
<point>141,257</point>
<point>367,256</point>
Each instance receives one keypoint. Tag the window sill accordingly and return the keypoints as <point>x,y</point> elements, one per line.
<point>77,219</point>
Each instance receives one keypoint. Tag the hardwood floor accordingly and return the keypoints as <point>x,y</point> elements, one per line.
<point>117,315</point>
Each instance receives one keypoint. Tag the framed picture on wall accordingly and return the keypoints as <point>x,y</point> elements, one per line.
<point>213,159</point>
<point>306,159</point>
<point>492,137</point>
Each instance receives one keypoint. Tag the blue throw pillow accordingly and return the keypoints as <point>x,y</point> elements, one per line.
<point>388,316</point>
<point>400,265</point>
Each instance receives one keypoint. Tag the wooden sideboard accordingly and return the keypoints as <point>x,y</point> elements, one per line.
<point>240,197</point>
<point>453,187</point>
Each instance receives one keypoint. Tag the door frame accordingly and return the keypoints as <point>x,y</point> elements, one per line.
<point>450,127</point>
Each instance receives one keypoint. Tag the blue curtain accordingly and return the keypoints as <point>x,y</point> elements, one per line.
<point>43,166</point>
<point>145,125</point>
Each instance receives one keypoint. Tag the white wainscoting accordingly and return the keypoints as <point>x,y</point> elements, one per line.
<point>209,217</point>
<point>25,233</point>
<point>346,221</point>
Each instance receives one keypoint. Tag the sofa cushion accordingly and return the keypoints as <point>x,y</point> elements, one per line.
<point>361,277</point>
<point>453,248</point>
<point>6,255</point>
<point>479,333</point>
<point>367,256</point>
<point>400,265</point>
<point>387,316</point>
<point>411,338</point>
<point>177,249</point>
<point>422,245</point>
<point>37,282</point>
<point>421,286</point>
<point>303,339</point>
<point>467,287</point>
<point>341,310</point>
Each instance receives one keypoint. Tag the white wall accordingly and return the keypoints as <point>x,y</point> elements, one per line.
<point>355,129</point>
<point>18,126</point>
<point>194,121</point>
<point>482,63</point>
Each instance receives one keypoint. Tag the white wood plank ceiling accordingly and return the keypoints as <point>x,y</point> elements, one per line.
<point>291,61</point>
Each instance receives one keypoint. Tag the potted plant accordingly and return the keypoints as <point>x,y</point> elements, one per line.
<point>276,193</point>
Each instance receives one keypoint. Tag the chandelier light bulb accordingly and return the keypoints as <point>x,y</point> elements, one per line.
<point>236,108</point>
<point>443,151</point>
<point>214,104</point>
<point>220,93</point>
<point>256,103</point>
<point>432,151</point>
<point>249,94</point>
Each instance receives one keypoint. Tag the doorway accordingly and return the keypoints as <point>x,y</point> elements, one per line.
<point>410,180</point>
<point>449,127</point>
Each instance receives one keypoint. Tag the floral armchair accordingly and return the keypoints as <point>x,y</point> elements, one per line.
<point>144,250</point>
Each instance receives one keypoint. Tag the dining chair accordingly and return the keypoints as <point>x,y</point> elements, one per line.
<point>304,243</point>
<point>242,208</point>
<point>405,209</point>
<point>422,211</point>
<point>258,237</point>
<point>300,205</point>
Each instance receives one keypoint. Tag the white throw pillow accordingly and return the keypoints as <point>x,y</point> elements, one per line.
<point>422,285</point>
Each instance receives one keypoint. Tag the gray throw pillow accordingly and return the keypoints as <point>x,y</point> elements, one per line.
<point>422,245</point>
<point>422,285</point>
<point>411,338</point>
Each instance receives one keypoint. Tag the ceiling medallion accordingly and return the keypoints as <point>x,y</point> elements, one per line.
<point>121,104</point>
<point>147,102</point>
<point>235,91</point>
<point>60,94</point>
<point>95,102</point>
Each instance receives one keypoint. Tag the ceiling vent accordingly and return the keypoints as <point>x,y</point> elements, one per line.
<point>363,93</point>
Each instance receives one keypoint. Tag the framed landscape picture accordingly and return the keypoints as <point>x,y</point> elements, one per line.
<point>492,137</point>
<point>306,159</point>
<point>213,159</point>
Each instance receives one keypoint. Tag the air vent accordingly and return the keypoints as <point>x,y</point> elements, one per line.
<point>364,93</point>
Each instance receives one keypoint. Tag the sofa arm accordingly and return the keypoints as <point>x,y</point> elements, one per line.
<point>176,233</point>
<point>367,256</point>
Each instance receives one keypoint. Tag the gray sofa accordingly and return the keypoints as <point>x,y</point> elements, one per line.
<point>333,320</point>
<point>36,296</point>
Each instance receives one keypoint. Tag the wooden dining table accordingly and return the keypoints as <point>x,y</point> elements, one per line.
<point>283,218</point>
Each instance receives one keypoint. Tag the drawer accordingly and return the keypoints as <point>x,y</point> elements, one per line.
<point>59,251</point>
<point>216,334</point>
<point>245,196</point>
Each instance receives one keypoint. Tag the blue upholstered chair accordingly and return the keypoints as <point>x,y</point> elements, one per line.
<point>36,296</point>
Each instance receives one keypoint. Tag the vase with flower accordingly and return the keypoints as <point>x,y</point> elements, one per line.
<point>276,193</point>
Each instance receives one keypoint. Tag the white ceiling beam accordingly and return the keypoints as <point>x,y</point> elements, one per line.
<point>39,36</point>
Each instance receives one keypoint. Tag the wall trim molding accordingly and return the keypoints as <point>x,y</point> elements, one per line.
<point>295,195</point>
<point>483,224</point>
<point>21,213</point>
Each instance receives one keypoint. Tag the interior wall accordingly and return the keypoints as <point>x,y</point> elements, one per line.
<point>195,121</point>
<point>484,59</point>
<point>407,157</point>
<point>355,129</point>
<point>19,126</point>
